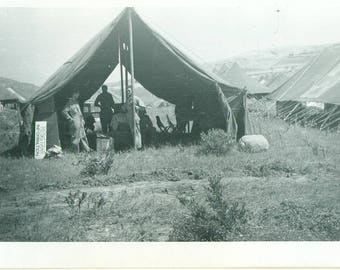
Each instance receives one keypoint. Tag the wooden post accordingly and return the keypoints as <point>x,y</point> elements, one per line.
<point>121,68</point>
<point>132,79</point>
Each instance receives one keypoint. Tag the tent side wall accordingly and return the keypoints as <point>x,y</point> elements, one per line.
<point>46,111</point>
<point>238,104</point>
<point>258,96</point>
<point>299,113</point>
<point>333,113</point>
<point>287,109</point>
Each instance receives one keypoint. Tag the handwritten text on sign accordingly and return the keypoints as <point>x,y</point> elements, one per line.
<point>40,140</point>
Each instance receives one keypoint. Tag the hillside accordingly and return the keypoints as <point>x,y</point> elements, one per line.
<point>24,89</point>
<point>265,65</point>
<point>264,59</point>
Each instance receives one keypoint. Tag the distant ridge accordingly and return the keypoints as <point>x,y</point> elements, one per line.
<point>26,90</point>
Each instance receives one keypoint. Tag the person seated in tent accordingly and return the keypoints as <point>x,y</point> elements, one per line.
<point>170,124</point>
<point>147,130</point>
<point>182,110</point>
<point>140,106</point>
<point>160,124</point>
<point>122,128</point>
<point>106,103</point>
<point>76,123</point>
<point>90,130</point>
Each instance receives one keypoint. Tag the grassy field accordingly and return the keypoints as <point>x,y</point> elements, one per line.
<point>290,192</point>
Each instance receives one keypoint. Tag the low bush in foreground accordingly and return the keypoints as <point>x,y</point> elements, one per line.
<point>217,142</point>
<point>100,164</point>
<point>211,220</point>
<point>270,168</point>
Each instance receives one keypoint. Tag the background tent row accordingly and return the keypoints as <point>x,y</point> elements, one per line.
<point>235,75</point>
<point>312,95</point>
<point>158,65</point>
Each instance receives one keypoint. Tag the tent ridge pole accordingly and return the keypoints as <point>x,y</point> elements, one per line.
<point>132,80</point>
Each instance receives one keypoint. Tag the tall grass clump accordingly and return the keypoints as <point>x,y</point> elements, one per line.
<point>98,165</point>
<point>216,142</point>
<point>213,219</point>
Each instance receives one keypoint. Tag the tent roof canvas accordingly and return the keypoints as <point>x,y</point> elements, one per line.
<point>235,75</point>
<point>276,81</point>
<point>317,81</point>
<point>159,66</point>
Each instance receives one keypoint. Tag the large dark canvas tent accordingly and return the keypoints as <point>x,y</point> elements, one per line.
<point>238,77</point>
<point>276,81</point>
<point>317,82</point>
<point>158,65</point>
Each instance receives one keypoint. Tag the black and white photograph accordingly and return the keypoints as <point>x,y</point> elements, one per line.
<point>192,123</point>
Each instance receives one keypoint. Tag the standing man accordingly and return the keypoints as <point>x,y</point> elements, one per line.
<point>76,123</point>
<point>105,102</point>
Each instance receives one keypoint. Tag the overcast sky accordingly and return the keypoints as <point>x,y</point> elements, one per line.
<point>34,42</point>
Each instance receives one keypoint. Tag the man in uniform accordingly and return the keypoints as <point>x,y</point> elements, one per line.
<point>76,123</point>
<point>105,102</point>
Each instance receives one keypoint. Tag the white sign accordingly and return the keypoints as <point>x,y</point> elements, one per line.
<point>40,140</point>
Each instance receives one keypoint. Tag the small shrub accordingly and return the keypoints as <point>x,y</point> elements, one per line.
<point>81,204</point>
<point>273,168</point>
<point>95,202</point>
<point>211,220</point>
<point>216,142</point>
<point>99,164</point>
<point>74,201</point>
<point>315,146</point>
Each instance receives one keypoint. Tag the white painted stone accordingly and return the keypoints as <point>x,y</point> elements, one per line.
<point>253,143</point>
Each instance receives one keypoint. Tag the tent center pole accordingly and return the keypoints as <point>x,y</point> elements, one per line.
<point>132,80</point>
<point>126,77</point>
<point>121,68</point>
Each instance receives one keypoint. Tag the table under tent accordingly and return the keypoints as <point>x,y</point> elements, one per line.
<point>142,54</point>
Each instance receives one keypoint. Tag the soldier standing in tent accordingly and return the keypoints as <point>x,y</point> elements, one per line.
<point>76,122</point>
<point>182,110</point>
<point>105,102</point>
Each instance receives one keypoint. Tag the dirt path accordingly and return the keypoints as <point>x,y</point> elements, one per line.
<point>57,197</point>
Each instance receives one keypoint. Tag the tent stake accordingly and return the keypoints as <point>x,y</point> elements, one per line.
<point>121,68</point>
<point>132,80</point>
